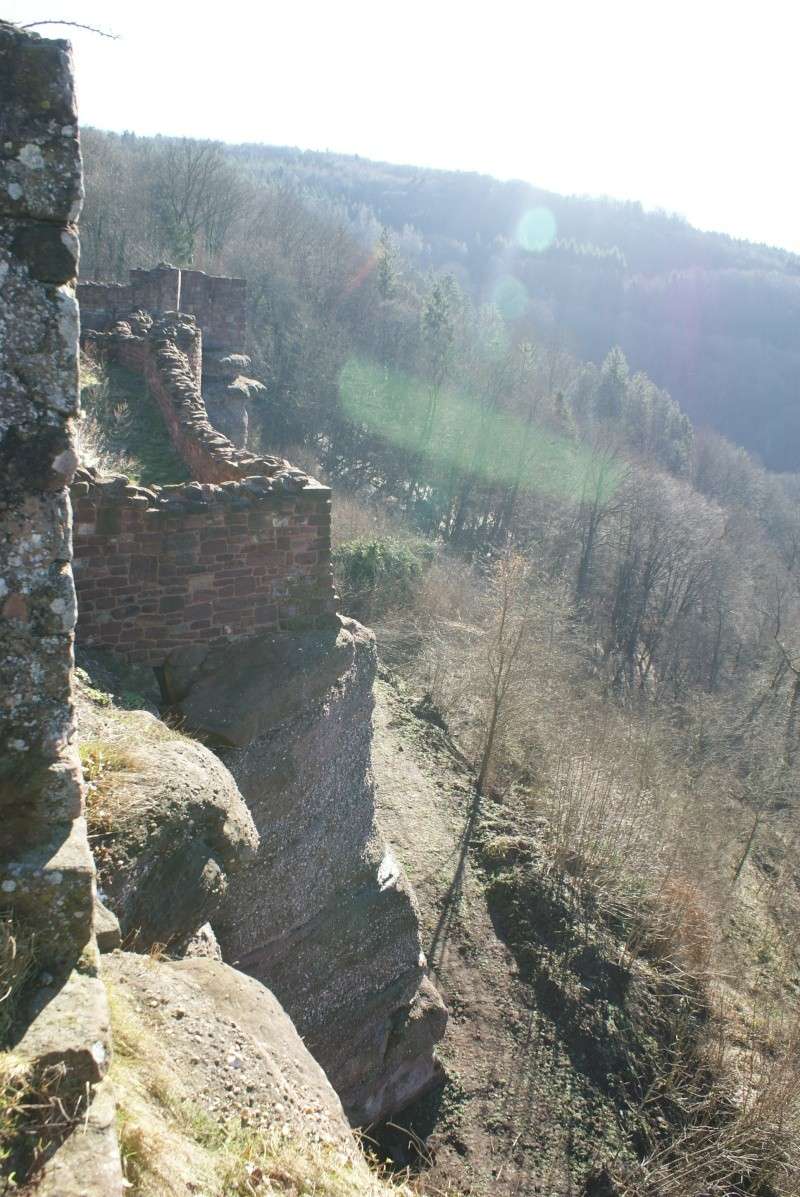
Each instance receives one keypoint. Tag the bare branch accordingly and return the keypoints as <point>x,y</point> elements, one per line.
<point>74,25</point>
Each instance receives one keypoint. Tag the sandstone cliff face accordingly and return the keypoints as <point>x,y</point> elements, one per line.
<point>324,915</point>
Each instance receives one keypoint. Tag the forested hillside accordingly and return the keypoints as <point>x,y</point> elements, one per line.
<point>712,320</point>
<point>598,597</point>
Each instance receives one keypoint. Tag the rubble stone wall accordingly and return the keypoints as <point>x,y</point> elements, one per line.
<point>167,353</point>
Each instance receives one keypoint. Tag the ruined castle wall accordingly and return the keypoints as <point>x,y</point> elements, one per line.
<point>169,357</point>
<point>219,306</point>
<point>242,550</point>
<point>40,779</point>
<point>157,290</point>
<point>102,304</point>
<point>162,567</point>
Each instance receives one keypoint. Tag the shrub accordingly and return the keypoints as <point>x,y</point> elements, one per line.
<point>377,574</point>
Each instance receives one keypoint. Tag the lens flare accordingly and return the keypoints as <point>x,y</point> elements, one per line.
<point>537,230</point>
<point>510,297</point>
<point>454,433</point>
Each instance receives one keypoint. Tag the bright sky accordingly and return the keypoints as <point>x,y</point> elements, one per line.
<point>688,105</point>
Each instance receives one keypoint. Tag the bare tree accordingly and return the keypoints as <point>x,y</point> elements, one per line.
<point>196,192</point>
<point>508,631</point>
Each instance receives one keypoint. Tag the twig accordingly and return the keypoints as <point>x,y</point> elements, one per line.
<point>74,25</point>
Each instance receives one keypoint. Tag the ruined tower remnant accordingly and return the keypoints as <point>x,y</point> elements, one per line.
<point>40,194</point>
<point>46,868</point>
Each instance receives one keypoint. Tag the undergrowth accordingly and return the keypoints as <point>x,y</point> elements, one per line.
<point>122,430</point>
<point>624,906</point>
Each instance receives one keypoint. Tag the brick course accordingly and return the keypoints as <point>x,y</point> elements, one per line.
<point>156,568</point>
<point>243,549</point>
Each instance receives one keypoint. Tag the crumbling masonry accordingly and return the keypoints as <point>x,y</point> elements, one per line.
<point>245,547</point>
<point>46,868</point>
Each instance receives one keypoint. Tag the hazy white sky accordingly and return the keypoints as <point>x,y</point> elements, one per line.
<point>689,106</point>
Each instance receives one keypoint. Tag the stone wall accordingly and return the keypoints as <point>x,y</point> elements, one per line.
<point>102,304</point>
<point>167,353</point>
<point>218,304</point>
<point>46,868</point>
<point>157,290</point>
<point>40,195</point>
<point>156,568</point>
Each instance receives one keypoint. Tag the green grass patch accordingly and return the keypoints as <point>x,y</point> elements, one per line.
<point>123,429</point>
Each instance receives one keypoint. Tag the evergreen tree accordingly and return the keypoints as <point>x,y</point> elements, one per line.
<point>386,266</point>
<point>610,400</point>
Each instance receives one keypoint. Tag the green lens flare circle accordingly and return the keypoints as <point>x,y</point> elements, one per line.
<point>537,230</point>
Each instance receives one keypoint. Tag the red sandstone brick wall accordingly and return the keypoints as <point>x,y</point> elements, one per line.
<point>156,290</point>
<point>159,568</point>
<point>245,549</point>
<point>219,306</point>
<point>102,304</point>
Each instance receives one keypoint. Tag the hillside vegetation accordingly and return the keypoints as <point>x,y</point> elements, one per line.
<point>599,601</point>
<point>711,319</point>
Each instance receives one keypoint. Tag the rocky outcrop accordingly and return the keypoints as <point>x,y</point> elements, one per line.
<point>324,915</point>
<point>228,392</point>
<point>232,1038</point>
<point>218,1093</point>
<point>169,826</point>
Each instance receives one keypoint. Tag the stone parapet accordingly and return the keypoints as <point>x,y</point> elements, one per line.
<point>218,304</point>
<point>161,567</point>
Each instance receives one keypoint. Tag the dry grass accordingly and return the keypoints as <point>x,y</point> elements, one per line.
<point>354,519</point>
<point>103,762</point>
<point>17,962</point>
<point>740,1125</point>
<point>38,1106</point>
<point>621,811</point>
<point>171,1146</point>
